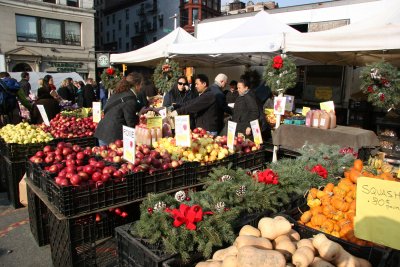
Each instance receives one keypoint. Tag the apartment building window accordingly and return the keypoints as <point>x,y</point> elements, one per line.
<point>113,18</point>
<point>101,26</point>
<point>119,25</point>
<point>126,14</point>
<point>74,3</point>
<point>50,1</point>
<point>161,20</point>
<point>195,14</point>
<point>26,29</point>
<point>209,3</point>
<point>154,23</point>
<point>136,27</point>
<point>127,47</point>
<point>127,30</point>
<point>108,20</point>
<point>119,43</point>
<point>184,17</point>
<point>108,37</point>
<point>113,37</point>
<point>195,1</point>
<point>72,33</point>
<point>154,39</point>
<point>51,31</point>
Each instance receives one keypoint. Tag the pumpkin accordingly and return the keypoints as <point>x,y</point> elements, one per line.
<point>327,226</point>
<point>328,188</point>
<point>306,217</point>
<point>316,210</point>
<point>358,165</point>
<point>340,205</point>
<point>318,219</point>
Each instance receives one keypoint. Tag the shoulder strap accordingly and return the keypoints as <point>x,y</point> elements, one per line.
<point>121,100</point>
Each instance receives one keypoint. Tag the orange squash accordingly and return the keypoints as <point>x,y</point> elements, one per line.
<point>341,205</point>
<point>318,220</point>
<point>306,217</point>
<point>328,188</point>
<point>327,226</point>
<point>316,210</point>
<point>358,165</point>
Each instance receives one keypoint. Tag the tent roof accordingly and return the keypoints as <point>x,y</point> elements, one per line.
<point>366,41</point>
<point>155,51</point>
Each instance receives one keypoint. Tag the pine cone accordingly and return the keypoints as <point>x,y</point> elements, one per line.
<point>220,206</point>
<point>160,206</point>
<point>241,191</point>
<point>180,196</point>
<point>225,178</point>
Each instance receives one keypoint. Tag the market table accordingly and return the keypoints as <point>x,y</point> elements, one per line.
<point>293,137</point>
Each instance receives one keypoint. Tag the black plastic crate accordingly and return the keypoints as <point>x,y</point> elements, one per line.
<point>246,218</point>
<point>161,181</point>
<point>202,170</point>
<point>377,256</point>
<point>136,252</point>
<point>394,259</point>
<point>83,241</point>
<point>14,171</point>
<point>37,175</point>
<point>74,200</point>
<point>3,175</point>
<point>18,152</point>
<point>38,218</point>
<point>83,142</point>
<point>252,159</point>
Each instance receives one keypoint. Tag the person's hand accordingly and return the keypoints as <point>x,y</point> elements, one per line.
<point>248,131</point>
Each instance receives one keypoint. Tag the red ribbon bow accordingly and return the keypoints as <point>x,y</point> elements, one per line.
<point>321,171</point>
<point>267,177</point>
<point>110,71</point>
<point>187,215</point>
<point>277,62</point>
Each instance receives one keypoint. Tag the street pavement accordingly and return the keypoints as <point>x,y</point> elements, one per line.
<point>18,247</point>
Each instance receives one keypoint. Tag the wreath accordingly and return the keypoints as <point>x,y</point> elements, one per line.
<point>110,77</point>
<point>280,74</point>
<point>166,75</point>
<point>381,82</point>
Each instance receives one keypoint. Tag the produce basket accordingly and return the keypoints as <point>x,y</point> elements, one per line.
<point>19,152</point>
<point>251,160</point>
<point>202,170</point>
<point>13,171</point>
<point>74,200</point>
<point>377,256</point>
<point>37,175</point>
<point>38,218</point>
<point>136,252</point>
<point>83,241</point>
<point>88,141</point>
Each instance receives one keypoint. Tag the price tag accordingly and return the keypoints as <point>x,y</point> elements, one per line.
<point>378,211</point>
<point>279,105</point>
<point>43,114</point>
<point>231,135</point>
<point>305,110</point>
<point>129,141</point>
<point>182,131</point>
<point>327,106</point>
<point>154,122</point>
<point>163,112</point>
<point>96,110</point>
<point>255,128</point>
<point>289,102</point>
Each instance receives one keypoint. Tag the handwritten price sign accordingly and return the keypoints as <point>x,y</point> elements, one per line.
<point>129,140</point>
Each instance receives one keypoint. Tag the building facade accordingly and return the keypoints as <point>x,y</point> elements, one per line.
<point>125,25</point>
<point>48,36</point>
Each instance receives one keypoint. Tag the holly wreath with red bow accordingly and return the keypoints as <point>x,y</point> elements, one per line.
<point>110,77</point>
<point>280,73</point>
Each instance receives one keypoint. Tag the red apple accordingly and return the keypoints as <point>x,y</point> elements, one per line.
<point>75,180</point>
<point>40,154</point>
<point>124,214</point>
<point>76,148</point>
<point>66,151</point>
<point>61,145</point>
<point>105,177</point>
<point>117,159</point>
<point>53,168</point>
<point>49,159</point>
<point>117,211</point>
<point>89,169</point>
<point>174,164</point>
<point>96,176</point>
<point>47,149</point>
<point>118,143</point>
<point>117,174</point>
<point>99,165</point>
<point>70,162</point>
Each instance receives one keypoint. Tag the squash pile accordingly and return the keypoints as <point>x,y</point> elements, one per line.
<point>332,209</point>
<point>275,244</point>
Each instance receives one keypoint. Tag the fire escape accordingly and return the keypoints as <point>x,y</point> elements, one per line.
<point>146,24</point>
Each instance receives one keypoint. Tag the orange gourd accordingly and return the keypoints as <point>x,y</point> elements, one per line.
<point>306,217</point>
<point>328,188</point>
<point>341,205</point>
<point>318,220</point>
<point>316,210</point>
<point>354,174</point>
<point>358,165</point>
<point>327,226</point>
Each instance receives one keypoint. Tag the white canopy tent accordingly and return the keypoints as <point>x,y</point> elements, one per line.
<point>366,41</point>
<point>152,53</point>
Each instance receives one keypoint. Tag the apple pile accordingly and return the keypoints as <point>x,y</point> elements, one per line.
<point>111,212</point>
<point>111,153</point>
<point>24,133</point>
<point>73,165</point>
<point>70,127</point>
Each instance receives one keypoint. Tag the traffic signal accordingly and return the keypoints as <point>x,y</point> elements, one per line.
<point>124,68</point>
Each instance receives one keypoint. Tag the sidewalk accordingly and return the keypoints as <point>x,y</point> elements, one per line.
<point>18,248</point>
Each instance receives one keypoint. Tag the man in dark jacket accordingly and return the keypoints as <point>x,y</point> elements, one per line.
<point>89,95</point>
<point>24,83</point>
<point>204,108</point>
<point>219,84</point>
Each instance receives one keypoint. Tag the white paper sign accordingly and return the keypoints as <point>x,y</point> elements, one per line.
<point>129,141</point>
<point>182,131</point>
<point>231,134</point>
<point>163,113</point>
<point>289,102</point>
<point>255,128</point>
<point>43,114</point>
<point>279,105</point>
<point>96,110</point>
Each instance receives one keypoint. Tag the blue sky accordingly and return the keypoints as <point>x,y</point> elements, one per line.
<point>282,3</point>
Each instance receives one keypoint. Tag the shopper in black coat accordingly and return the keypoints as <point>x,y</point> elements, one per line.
<point>179,94</point>
<point>121,109</point>
<point>248,108</point>
<point>204,108</point>
<point>49,103</point>
<point>89,95</point>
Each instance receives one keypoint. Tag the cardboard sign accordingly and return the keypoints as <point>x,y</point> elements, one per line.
<point>96,110</point>
<point>163,112</point>
<point>129,141</point>
<point>289,102</point>
<point>323,93</point>
<point>231,134</point>
<point>279,105</point>
<point>378,211</point>
<point>43,114</point>
<point>305,110</point>
<point>154,122</point>
<point>182,131</point>
<point>255,128</point>
<point>327,106</point>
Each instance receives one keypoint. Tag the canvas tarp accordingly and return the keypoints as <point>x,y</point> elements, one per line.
<point>370,40</point>
<point>152,53</point>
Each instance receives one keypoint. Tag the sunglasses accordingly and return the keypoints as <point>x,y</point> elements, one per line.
<point>181,83</point>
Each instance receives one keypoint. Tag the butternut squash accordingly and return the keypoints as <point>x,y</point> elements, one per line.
<point>250,230</point>
<point>294,235</point>
<point>209,263</point>
<point>272,228</point>
<point>284,245</point>
<point>247,240</point>
<point>303,257</point>
<point>230,261</point>
<point>305,243</point>
<point>318,262</point>
<point>221,254</point>
<point>249,256</point>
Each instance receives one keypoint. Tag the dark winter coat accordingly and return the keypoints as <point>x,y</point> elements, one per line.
<point>177,98</point>
<point>26,86</point>
<point>222,105</point>
<point>51,106</point>
<point>231,96</point>
<point>205,109</point>
<point>66,94</point>
<point>89,96</point>
<point>124,113</point>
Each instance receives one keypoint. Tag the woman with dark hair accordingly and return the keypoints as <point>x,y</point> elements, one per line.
<point>48,85</point>
<point>50,105</point>
<point>121,109</point>
<point>179,94</point>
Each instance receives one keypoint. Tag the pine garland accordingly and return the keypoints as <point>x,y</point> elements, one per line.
<point>166,75</point>
<point>381,82</point>
<point>110,77</point>
<point>280,74</point>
